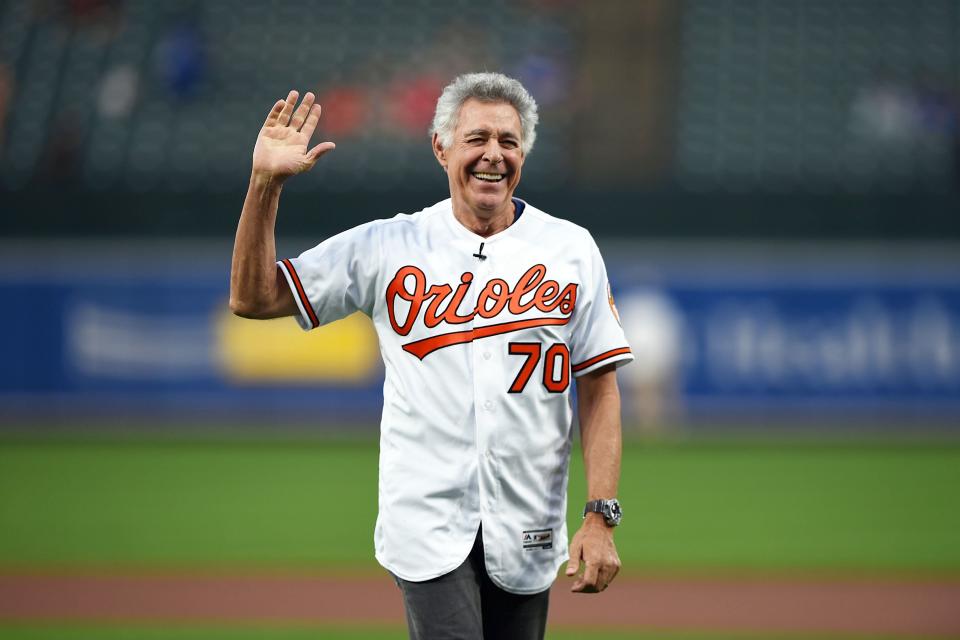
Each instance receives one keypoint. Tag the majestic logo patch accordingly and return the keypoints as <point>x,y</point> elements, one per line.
<point>537,539</point>
<point>408,294</point>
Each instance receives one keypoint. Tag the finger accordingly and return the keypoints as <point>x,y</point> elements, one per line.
<point>590,576</point>
<point>582,586</point>
<point>606,576</point>
<point>284,118</point>
<point>301,113</point>
<point>587,583</point>
<point>310,125</point>
<point>274,113</point>
<point>322,148</point>
<point>573,564</point>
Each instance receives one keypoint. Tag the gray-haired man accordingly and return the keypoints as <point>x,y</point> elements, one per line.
<point>486,308</point>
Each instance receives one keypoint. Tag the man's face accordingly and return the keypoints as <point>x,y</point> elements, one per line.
<point>483,163</point>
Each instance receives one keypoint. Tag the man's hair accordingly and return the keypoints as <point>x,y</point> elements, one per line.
<point>486,87</point>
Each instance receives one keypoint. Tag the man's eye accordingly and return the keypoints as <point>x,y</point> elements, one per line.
<point>510,144</point>
<point>474,140</point>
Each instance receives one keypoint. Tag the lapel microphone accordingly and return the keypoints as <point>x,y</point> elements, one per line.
<point>479,254</point>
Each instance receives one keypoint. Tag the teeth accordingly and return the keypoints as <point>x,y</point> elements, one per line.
<point>489,177</point>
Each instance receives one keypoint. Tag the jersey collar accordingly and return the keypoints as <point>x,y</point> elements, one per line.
<point>462,232</point>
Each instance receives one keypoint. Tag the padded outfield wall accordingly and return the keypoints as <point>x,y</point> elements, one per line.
<point>816,334</point>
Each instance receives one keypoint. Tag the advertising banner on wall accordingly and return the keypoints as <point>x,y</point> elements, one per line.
<point>715,338</point>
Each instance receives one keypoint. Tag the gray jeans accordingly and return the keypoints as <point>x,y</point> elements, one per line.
<point>466,605</point>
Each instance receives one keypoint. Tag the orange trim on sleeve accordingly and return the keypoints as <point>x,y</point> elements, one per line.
<point>603,356</point>
<point>304,300</point>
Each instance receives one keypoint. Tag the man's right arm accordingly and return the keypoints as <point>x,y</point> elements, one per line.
<point>257,287</point>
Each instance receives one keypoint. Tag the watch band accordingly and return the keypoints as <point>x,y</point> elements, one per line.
<point>593,506</point>
<point>609,509</point>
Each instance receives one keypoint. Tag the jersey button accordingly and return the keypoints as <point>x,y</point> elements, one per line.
<point>488,405</point>
<point>486,355</point>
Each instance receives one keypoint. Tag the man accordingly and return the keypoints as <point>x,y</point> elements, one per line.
<point>485,308</point>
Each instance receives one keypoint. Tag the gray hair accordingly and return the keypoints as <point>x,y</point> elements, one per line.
<point>486,87</point>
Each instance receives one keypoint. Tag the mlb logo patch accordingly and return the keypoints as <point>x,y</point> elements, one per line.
<point>537,539</point>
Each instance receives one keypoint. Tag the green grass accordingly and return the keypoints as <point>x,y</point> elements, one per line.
<point>304,505</point>
<point>841,506</point>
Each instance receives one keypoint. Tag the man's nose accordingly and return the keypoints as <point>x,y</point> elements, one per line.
<point>493,153</point>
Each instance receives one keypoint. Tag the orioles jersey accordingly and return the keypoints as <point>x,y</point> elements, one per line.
<point>480,339</point>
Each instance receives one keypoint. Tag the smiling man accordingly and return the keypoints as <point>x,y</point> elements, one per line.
<point>486,309</point>
<point>483,160</point>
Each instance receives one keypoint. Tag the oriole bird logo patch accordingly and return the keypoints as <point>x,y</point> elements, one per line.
<point>613,305</point>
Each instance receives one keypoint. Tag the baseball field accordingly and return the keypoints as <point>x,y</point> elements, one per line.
<point>212,537</point>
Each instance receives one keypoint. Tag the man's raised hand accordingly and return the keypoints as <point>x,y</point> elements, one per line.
<point>281,149</point>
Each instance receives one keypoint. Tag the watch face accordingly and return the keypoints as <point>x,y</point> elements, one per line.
<point>612,512</point>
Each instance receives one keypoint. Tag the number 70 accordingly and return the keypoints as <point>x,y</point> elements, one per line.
<point>556,378</point>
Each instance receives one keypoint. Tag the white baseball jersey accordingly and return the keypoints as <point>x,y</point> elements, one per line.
<point>479,354</point>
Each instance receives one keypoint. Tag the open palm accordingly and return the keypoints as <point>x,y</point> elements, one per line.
<point>281,149</point>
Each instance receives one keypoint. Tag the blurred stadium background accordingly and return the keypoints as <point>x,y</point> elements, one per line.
<point>775,186</point>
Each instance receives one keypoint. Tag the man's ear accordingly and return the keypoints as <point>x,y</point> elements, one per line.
<point>439,151</point>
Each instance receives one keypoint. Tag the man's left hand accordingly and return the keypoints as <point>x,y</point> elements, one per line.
<point>593,546</point>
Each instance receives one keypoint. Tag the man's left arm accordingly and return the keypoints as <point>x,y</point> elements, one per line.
<point>592,545</point>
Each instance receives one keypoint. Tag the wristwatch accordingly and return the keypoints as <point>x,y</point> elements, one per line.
<point>612,513</point>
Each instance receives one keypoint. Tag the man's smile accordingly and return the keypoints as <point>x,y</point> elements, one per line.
<point>488,177</point>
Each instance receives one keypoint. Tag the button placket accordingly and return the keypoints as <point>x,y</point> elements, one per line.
<point>482,403</point>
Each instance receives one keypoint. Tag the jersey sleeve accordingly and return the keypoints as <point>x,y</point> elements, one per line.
<point>597,337</point>
<point>335,278</point>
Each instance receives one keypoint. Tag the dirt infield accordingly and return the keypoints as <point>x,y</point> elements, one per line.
<point>930,607</point>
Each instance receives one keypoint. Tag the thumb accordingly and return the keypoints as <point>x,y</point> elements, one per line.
<point>310,160</point>
<point>315,153</point>
<point>573,564</point>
